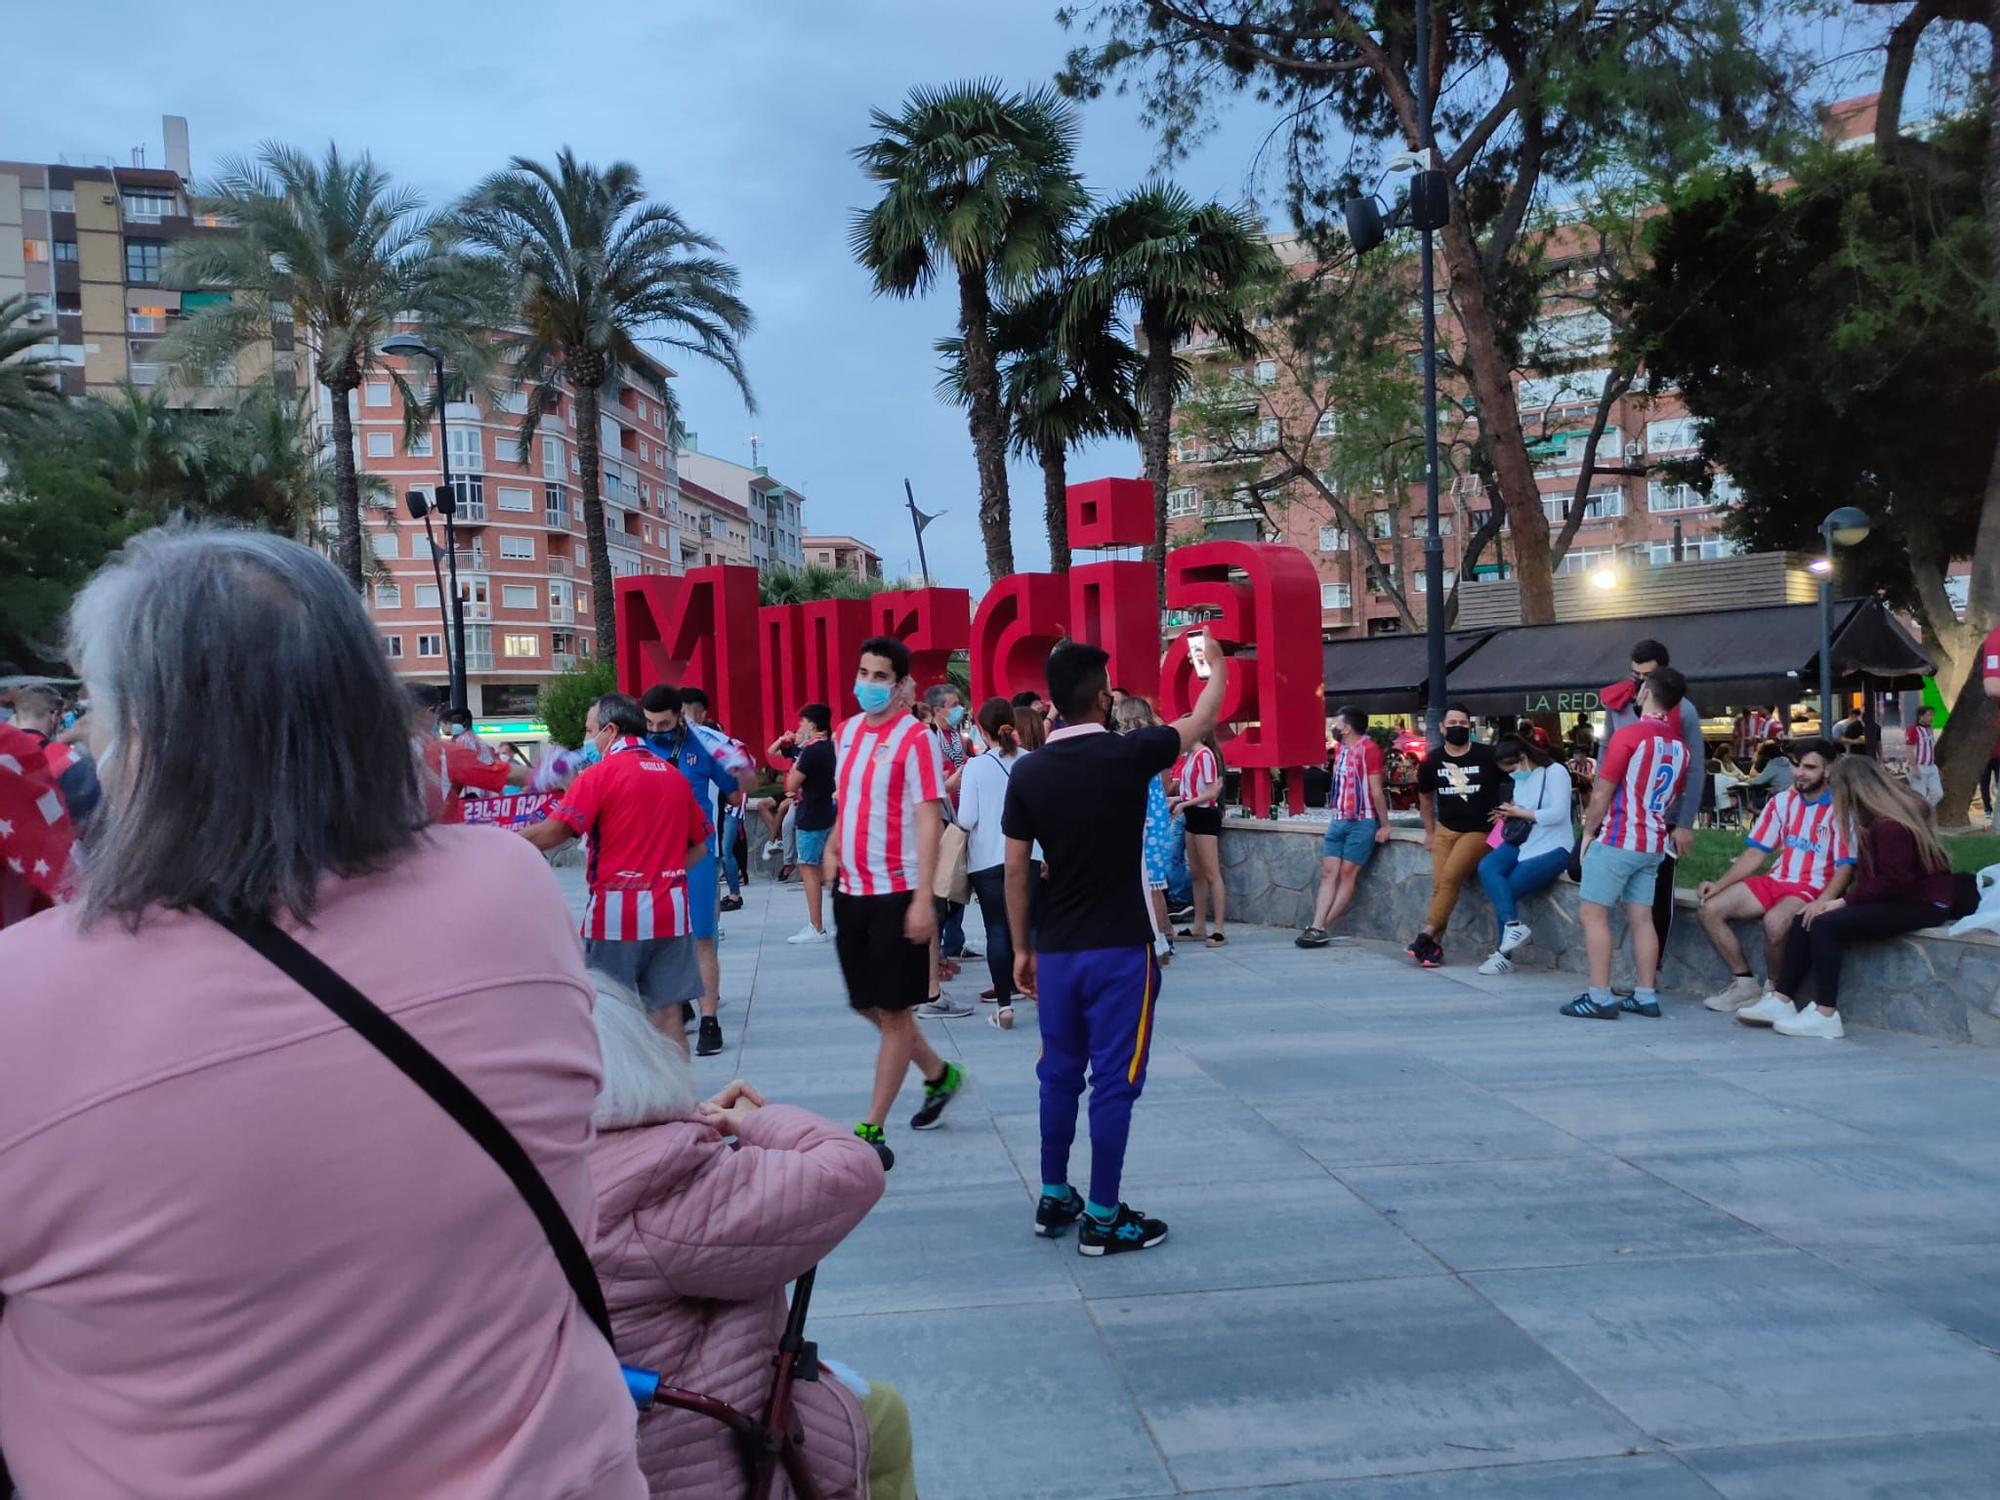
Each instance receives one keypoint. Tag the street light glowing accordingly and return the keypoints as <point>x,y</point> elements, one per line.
<point>1604,578</point>
<point>1820,565</point>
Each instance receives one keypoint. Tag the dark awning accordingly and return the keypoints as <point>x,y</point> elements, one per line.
<point>1385,674</point>
<point>1872,642</point>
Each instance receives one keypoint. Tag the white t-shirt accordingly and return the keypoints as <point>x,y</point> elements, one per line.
<point>982,793</point>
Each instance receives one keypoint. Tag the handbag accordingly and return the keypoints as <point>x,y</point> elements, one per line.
<point>451,1094</point>
<point>1517,830</point>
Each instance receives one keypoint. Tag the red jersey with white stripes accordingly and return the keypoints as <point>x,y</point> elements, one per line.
<point>641,818</point>
<point>1810,841</point>
<point>1195,770</point>
<point>881,774</point>
<point>1646,763</point>
<point>1922,741</point>
<point>454,766</point>
<point>1353,763</point>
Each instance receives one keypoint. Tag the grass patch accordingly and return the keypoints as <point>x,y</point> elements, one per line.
<point>1715,849</point>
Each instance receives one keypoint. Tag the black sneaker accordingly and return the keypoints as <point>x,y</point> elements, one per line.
<point>1416,946</point>
<point>1433,955</point>
<point>1633,1006</point>
<point>872,1134</point>
<point>936,1097</point>
<point>1312,937</point>
<point>709,1042</point>
<point>1130,1230</point>
<point>731,903</point>
<point>1054,1215</point>
<point>1181,913</point>
<point>1583,1008</point>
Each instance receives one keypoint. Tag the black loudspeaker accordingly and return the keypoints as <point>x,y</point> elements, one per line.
<point>1430,200</point>
<point>1364,224</point>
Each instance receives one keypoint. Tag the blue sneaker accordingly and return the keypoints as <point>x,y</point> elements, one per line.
<point>1633,1006</point>
<point>1054,1215</point>
<point>1583,1008</point>
<point>1130,1230</point>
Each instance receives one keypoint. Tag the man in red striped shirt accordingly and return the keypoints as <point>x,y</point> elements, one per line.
<point>1360,822</point>
<point>888,787</point>
<point>646,830</point>
<point>1639,783</point>
<point>1922,742</point>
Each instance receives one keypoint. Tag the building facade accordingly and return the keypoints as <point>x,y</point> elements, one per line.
<point>92,245</point>
<point>845,554</point>
<point>713,529</point>
<point>772,516</point>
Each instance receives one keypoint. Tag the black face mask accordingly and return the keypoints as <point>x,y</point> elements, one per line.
<point>1458,734</point>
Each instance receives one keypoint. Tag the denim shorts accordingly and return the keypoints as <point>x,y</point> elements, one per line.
<point>812,844</point>
<point>1619,877</point>
<point>1351,839</point>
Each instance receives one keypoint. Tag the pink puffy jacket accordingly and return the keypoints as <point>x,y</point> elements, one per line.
<point>695,1242</point>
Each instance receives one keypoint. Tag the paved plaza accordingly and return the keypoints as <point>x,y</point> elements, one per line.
<point>1429,1240</point>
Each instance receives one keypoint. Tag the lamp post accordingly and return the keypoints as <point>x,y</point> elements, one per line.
<point>420,509</point>
<point>408,344</point>
<point>1841,528</point>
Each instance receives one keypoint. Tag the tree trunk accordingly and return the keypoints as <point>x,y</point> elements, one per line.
<point>1157,402</point>
<point>988,426</point>
<point>346,487</point>
<point>1500,422</point>
<point>1055,502</point>
<point>603,597</point>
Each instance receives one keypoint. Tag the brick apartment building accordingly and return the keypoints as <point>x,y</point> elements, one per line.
<point>845,554</point>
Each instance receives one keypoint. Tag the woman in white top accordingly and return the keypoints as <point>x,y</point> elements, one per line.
<point>982,794</point>
<point>1510,872</point>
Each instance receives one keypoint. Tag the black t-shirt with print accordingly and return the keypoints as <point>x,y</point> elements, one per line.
<point>1083,795</point>
<point>815,762</point>
<point>1463,788</point>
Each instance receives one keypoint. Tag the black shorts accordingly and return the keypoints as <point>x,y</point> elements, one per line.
<point>884,970</point>
<point>1203,819</point>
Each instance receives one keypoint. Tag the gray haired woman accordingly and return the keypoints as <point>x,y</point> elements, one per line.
<point>241,1252</point>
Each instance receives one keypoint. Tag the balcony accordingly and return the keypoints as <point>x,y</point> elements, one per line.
<point>561,567</point>
<point>562,661</point>
<point>147,374</point>
<point>478,661</point>
<point>559,519</point>
<point>470,513</point>
<point>562,614</point>
<point>472,560</point>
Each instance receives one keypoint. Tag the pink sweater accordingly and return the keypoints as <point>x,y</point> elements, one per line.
<point>244,1257</point>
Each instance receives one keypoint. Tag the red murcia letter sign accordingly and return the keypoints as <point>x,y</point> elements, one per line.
<point>762,665</point>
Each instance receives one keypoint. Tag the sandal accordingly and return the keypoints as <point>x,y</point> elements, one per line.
<point>1217,939</point>
<point>1190,932</point>
<point>1002,1019</point>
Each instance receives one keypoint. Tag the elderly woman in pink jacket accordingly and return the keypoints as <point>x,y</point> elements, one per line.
<point>704,1212</point>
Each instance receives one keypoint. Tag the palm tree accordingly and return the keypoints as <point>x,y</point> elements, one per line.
<point>28,390</point>
<point>1178,266</point>
<point>152,450</point>
<point>1055,391</point>
<point>593,271</point>
<point>982,181</point>
<point>782,585</point>
<point>333,247</point>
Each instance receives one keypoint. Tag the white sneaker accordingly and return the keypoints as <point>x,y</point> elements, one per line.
<point>1810,1022</point>
<point>1511,937</point>
<point>809,934</point>
<point>774,846</point>
<point>1499,963</point>
<point>1767,1011</point>
<point>1741,991</point>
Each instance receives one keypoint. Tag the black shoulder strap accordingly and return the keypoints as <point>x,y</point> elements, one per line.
<point>446,1089</point>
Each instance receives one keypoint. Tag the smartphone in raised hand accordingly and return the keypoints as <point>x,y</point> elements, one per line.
<point>1197,650</point>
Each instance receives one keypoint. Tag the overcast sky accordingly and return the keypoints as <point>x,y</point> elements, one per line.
<point>741,115</point>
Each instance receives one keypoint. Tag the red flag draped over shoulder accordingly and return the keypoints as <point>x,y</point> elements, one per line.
<point>35,832</point>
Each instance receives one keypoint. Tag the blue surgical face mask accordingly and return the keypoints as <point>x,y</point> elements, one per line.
<point>872,696</point>
<point>589,755</point>
<point>1522,773</point>
<point>957,715</point>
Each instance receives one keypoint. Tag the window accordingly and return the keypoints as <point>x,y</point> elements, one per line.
<point>378,393</point>
<point>1267,432</point>
<point>62,200</point>
<point>1267,371</point>
<point>1671,435</point>
<point>1326,425</point>
<point>1694,549</point>
<point>1420,524</point>
<point>385,544</point>
<point>1601,505</point>
<point>517,547</point>
<point>645,449</point>
<point>552,458</point>
<point>557,501</point>
<point>148,208</point>
<point>521,645</point>
<point>143,261</point>
<point>1336,596</point>
<point>520,596</point>
<point>430,645</point>
<point>419,446</point>
<point>65,250</point>
<point>388,596</point>
<point>1185,501</point>
<point>1586,560</point>
<point>381,444</point>
<point>145,319</point>
<point>559,599</point>
<point>469,490</point>
<point>1420,579</point>
<point>468,450</point>
<point>393,644</point>
<point>38,250</point>
<point>515,499</point>
<point>1671,497</point>
<point>647,533</point>
<point>1381,525</point>
<point>514,402</point>
<point>427,596</point>
<point>1333,539</point>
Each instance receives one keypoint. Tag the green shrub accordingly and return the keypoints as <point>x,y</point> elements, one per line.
<point>568,697</point>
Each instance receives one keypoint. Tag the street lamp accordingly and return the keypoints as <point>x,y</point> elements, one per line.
<point>1428,209</point>
<point>409,345</point>
<point>1842,528</point>
<point>420,508</point>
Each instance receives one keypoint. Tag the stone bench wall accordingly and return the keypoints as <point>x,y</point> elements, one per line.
<point>1927,984</point>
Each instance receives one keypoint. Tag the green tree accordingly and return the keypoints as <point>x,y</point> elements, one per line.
<point>566,699</point>
<point>1177,266</point>
<point>27,372</point>
<point>982,182</point>
<point>1530,96</point>
<point>59,521</point>
<point>1058,387</point>
<point>148,448</point>
<point>783,585</point>
<point>334,249</point>
<point>590,272</point>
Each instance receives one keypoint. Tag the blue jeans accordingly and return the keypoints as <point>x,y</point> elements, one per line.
<point>1509,879</point>
<point>732,824</point>
<point>951,929</point>
<point>990,885</point>
<point>1180,884</point>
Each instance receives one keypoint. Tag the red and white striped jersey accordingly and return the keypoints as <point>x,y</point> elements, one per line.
<point>641,818</point>
<point>1809,840</point>
<point>1922,741</point>
<point>881,775</point>
<point>1353,763</point>
<point>1646,763</point>
<point>1195,770</point>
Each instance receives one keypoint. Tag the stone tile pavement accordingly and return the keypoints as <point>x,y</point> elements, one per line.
<point>1429,1240</point>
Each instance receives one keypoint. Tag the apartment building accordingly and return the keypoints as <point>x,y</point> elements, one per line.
<point>92,243</point>
<point>713,529</point>
<point>845,554</point>
<point>774,530</point>
<point>523,565</point>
